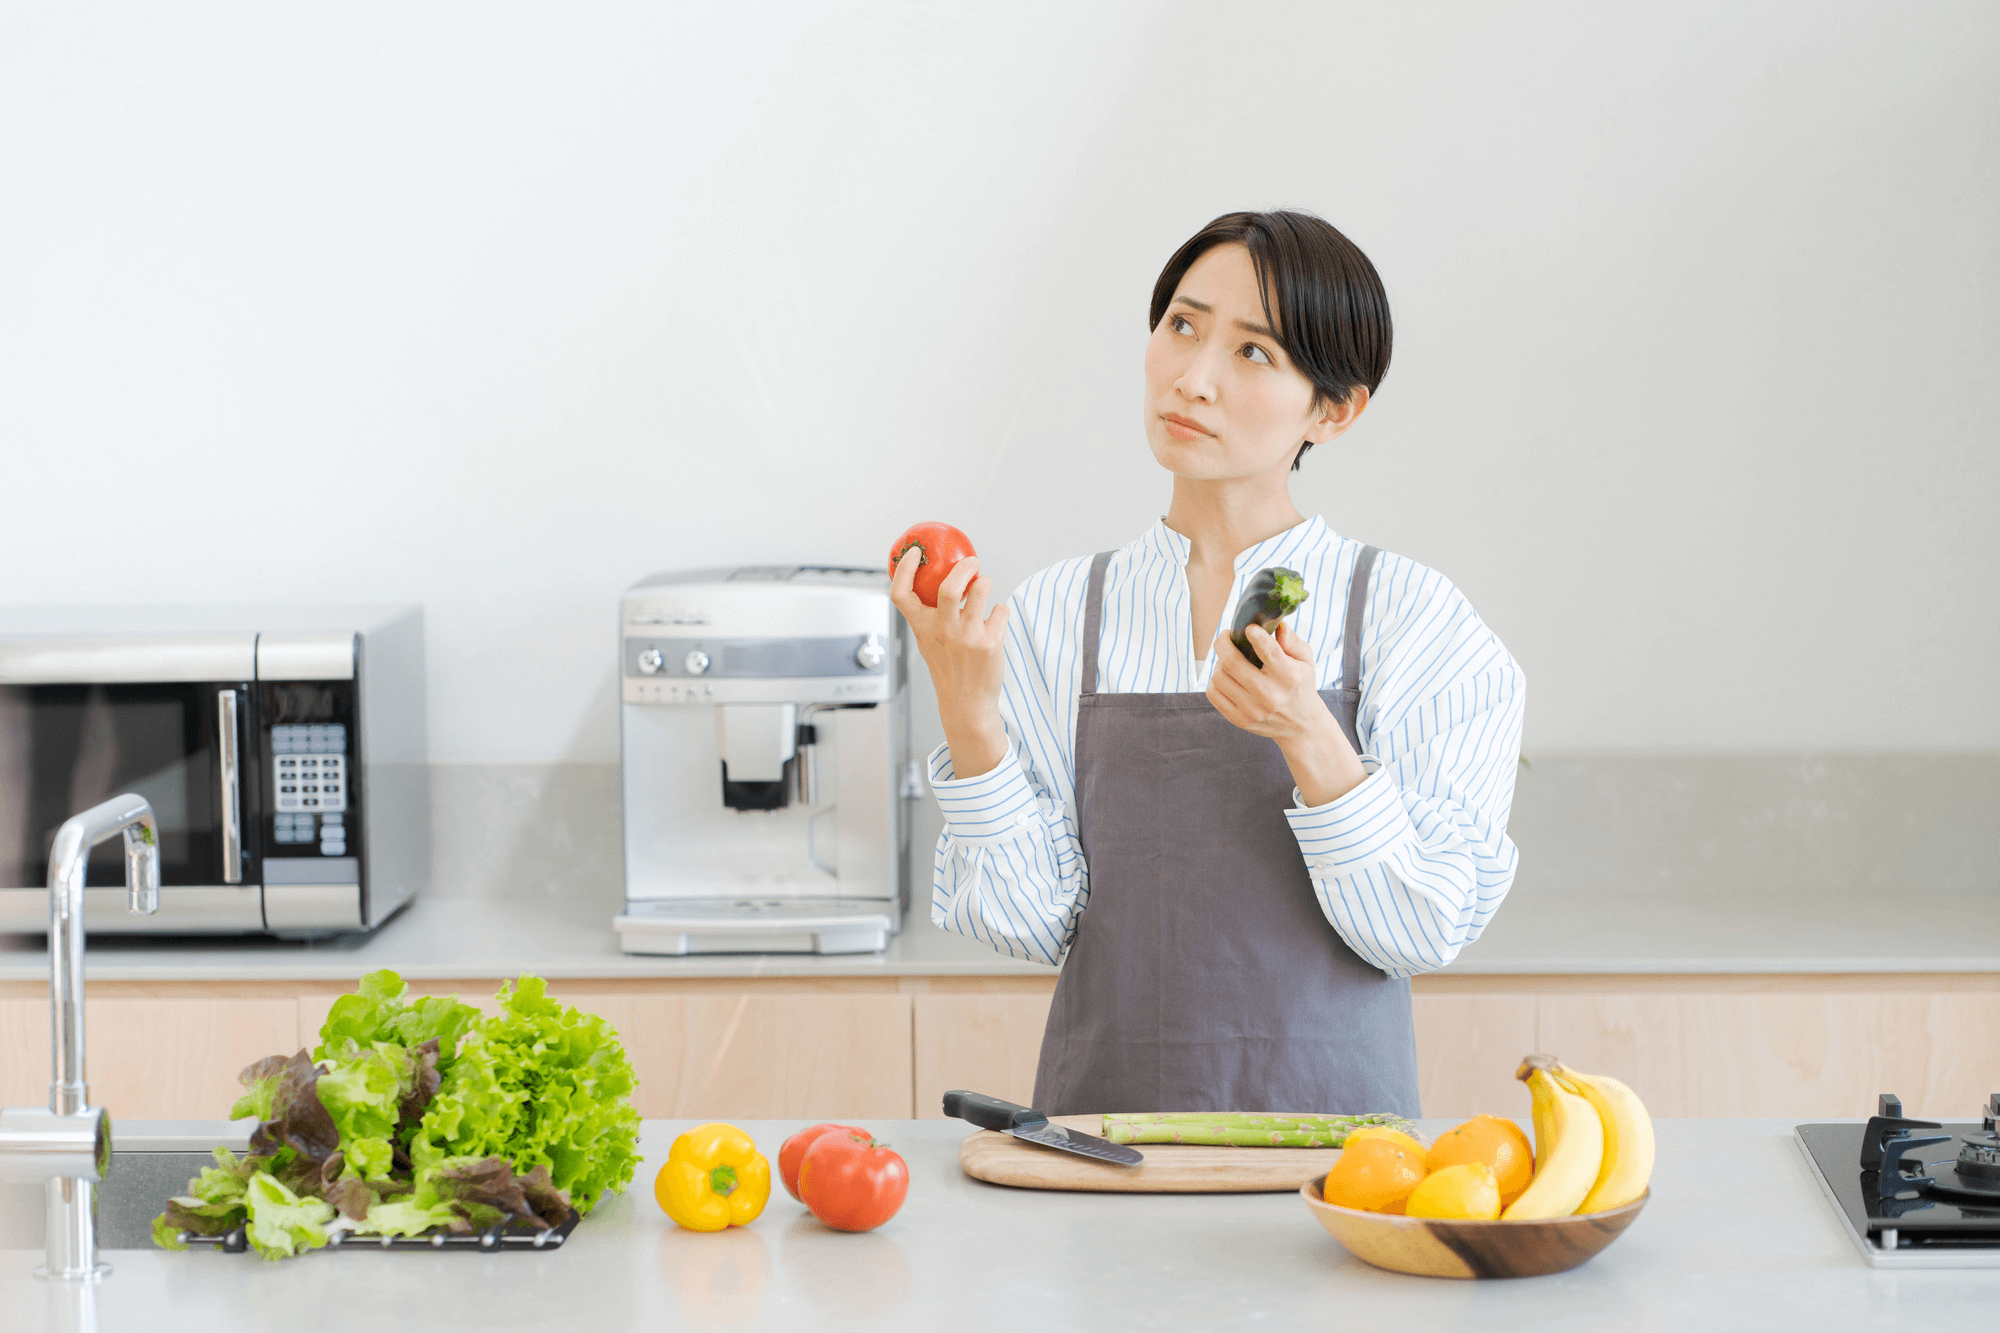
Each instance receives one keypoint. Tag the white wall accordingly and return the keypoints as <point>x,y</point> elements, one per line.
<point>497,307</point>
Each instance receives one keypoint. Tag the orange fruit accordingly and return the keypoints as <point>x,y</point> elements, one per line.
<point>1374,1175</point>
<point>1468,1190</point>
<point>1487,1140</point>
<point>1384,1132</point>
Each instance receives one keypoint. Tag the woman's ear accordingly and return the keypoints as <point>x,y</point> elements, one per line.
<point>1335,418</point>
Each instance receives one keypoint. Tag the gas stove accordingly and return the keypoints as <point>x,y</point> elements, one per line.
<point>1914,1193</point>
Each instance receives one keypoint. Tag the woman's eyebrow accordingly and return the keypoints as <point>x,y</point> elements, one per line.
<point>1244,324</point>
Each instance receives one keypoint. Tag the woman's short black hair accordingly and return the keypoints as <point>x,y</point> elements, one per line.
<point>1321,295</point>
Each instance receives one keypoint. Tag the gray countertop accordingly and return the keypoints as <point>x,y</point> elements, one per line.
<point>1737,1237</point>
<point>446,938</point>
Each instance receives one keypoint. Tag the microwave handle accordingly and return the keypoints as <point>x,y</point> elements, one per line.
<point>230,769</point>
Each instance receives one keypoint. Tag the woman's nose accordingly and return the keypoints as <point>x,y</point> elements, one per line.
<point>1197,379</point>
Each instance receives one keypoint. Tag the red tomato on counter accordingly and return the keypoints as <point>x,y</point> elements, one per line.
<point>794,1152</point>
<point>851,1182</point>
<point>943,546</point>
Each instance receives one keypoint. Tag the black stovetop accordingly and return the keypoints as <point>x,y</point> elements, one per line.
<point>1924,1202</point>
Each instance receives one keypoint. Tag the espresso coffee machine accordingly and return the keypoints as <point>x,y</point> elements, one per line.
<point>764,733</point>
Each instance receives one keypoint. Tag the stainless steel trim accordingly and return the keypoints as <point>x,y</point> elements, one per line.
<point>298,656</point>
<point>229,766</point>
<point>311,870</point>
<point>184,1135</point>
<point>205,909</point>
<point>125,659</point>
<point>41,1144</point>
<point>312,907</point>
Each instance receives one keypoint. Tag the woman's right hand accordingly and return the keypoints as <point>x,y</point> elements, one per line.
<point>965,649</point>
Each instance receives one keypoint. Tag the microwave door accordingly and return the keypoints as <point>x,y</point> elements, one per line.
<point>181,745</point>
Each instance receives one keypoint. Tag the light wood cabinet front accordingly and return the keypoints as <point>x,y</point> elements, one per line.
<point>1790,1053</point>
<point>1468,1047</point>
<point>887,1048</point>
<point>150,1059</point>
<point>745,1054</point>
<point>983,1043</point>
<point>748,1056</point>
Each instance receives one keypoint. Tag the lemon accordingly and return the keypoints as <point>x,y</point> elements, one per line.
<point>1469,1190</point>
<point>1384,1132</point>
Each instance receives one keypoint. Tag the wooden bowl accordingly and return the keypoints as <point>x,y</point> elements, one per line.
<point>1434,1247</point>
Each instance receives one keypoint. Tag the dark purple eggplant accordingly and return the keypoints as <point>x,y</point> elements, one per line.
<point>1273,594</point>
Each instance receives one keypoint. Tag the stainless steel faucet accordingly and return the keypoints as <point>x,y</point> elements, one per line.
<point>68,1146</point>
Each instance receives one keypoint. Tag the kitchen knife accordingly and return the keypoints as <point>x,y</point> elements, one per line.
<point>1034,1127</point>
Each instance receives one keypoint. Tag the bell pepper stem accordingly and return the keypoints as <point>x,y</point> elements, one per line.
<point>723,1180</point>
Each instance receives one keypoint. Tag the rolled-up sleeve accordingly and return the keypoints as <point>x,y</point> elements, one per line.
<point>1410,865</point>
<point>1008,870</point>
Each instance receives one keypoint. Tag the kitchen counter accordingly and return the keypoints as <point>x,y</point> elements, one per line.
<point>445,938</point>
<point>966,1255</point>
<point>1635,933</point>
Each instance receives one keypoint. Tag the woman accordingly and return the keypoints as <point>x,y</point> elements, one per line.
<point>1239,867</point>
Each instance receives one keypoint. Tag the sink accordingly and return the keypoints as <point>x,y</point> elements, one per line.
<point>151,1161</point>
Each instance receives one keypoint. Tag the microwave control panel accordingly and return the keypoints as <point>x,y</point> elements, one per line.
<point>309,785</point>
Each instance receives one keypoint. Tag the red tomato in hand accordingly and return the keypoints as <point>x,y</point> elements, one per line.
<point>943,546</point>
<point>851,1182</point>
<point>794,1152</point>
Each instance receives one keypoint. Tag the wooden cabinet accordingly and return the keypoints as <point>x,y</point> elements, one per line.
<point>1468,1047</point>
<point>985,1043</point>
<point>865,1048</point>
<point>149,1059</point>
<point>1811,1051</point>
<point>748,1056</point>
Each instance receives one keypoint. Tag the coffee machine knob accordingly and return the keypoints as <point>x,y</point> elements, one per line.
<point>696,662</point>
<point>869,655</point>
<point>651,661</point>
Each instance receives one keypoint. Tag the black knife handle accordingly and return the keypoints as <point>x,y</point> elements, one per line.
<point>988,1112</point>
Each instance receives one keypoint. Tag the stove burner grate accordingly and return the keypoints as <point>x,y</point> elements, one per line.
<point>1890,1138</point>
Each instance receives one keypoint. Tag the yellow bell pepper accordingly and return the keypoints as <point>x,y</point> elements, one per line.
<point>714,1179</point>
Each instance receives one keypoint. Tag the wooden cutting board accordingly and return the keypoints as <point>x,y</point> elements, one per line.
<point>1169,1168</point>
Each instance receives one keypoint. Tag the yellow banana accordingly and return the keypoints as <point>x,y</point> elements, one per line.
<point>1543,1115</point>
<point>1628,1139</point>
<point>1568,1159</point>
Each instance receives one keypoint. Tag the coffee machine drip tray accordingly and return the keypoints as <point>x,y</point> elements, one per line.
<point>755,925</point>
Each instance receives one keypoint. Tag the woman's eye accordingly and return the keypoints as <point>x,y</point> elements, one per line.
<point>1252,352</point>
<point>1179,324</point>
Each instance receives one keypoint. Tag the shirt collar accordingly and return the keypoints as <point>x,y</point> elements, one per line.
<point>1164,543</point>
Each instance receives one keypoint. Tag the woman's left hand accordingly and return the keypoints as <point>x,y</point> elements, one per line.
<point>1282,701</point>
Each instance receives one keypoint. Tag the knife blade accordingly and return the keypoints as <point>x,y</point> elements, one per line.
<point>1031,1126</point>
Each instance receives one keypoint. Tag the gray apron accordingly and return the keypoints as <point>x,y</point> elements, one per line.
<point>1203,975</point>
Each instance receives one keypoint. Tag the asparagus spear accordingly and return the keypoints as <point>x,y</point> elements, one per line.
<point>1242,1129</point>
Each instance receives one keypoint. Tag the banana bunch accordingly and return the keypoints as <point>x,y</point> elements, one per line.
<point>1593,1142</point>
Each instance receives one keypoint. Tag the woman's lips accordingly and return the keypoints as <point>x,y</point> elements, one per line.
<point>1184,428</point>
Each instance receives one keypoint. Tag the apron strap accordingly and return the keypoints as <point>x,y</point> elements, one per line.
<point>1093,618</point>
<point>1348,708</point>
<point>1357,601</point>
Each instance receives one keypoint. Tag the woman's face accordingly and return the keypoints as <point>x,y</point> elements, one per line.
<point>1223,400</point>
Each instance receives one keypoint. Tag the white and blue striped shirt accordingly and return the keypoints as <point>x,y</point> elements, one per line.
<point>1409,866</point>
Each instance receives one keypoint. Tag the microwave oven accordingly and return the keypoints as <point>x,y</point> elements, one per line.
<point>282,750</point>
